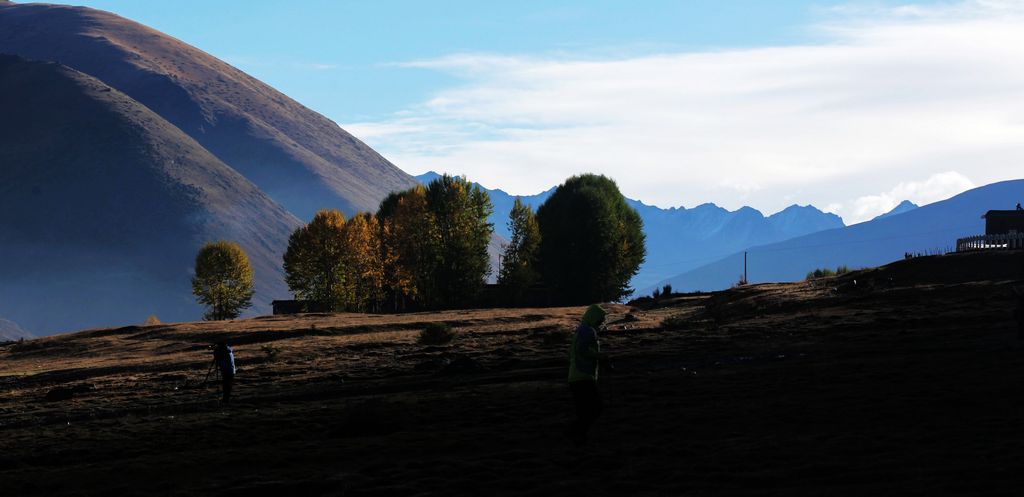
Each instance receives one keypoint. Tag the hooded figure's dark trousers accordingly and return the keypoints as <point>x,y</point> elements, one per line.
<point>227,378</point>
<point>587,399</point>
<point>1020,321</point>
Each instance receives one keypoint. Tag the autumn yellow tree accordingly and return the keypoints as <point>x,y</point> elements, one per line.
<point>410,246</point>
<point>223,280</point>
<point>363,263</point>
<point>314,262</point>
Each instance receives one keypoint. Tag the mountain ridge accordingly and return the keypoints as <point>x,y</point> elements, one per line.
<point>10,331</point>
<point>904,206</point>
<point>931,228</point>
<point>104,204</point>
<point>298,157</point>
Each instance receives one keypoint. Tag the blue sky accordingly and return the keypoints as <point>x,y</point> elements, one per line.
<point>852,106</point>
<point>337,56</point>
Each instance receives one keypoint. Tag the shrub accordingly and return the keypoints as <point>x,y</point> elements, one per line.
<point>826,272</point>
<point>437,334</point>
<point>666,290</point>
<point>674,322</point>
<point>270,351</point>
<point>819,273</point>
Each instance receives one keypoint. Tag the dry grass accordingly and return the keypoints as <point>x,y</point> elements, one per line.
<point>761,390</point>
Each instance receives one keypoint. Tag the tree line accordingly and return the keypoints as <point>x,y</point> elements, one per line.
<point>426,248</point>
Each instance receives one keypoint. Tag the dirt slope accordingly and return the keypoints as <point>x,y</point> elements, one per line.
<point>301,159</point>
<point>103,205</point>
<point>830,388</point>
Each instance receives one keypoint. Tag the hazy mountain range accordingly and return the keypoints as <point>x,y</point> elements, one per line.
<point>679,239</point>
<point>928,229</point>
<point>904,206</point>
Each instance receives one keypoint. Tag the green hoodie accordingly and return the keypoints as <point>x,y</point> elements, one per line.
<point>585,350</point>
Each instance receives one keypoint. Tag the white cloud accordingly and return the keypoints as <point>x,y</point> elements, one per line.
<point>834,208</point>
<point>937,187</point>
<point>890,94</point>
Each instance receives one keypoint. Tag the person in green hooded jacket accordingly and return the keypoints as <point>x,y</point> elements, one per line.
<point>584,356</point>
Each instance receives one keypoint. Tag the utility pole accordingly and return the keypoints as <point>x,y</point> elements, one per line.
<point>745,280</point>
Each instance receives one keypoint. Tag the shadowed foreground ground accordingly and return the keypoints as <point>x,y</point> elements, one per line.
<point>907,382</point>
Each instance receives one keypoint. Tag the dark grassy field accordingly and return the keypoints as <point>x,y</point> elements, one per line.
<point>909,381</point>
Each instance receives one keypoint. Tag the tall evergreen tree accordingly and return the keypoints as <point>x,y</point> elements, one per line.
<point>519,261</point>
<point>592,242</point>
<point>223,280</point>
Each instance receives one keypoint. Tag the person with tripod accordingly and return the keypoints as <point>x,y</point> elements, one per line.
<point>584,355</point>
<point>224,361</point>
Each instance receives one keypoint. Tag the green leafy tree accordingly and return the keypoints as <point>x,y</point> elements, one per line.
<point>461,211</point>
<point>592,242</point>
<point>223,280</point>
<point>314,263</point>
<point>434,241</point>
<point>519,261</point>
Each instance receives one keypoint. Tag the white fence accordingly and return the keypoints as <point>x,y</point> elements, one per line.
<point>990,242</point>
